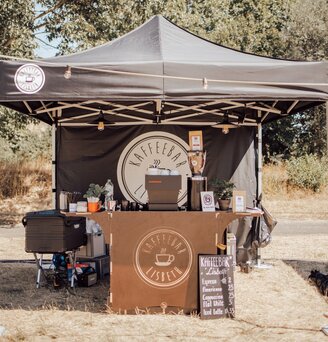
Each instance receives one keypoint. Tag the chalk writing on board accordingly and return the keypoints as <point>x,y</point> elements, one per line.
<point>216,286</point>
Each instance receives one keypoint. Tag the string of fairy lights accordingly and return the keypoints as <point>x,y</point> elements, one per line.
<point>204,81</point>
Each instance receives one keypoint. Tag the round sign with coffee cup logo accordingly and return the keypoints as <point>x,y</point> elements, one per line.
<point>29,78</point>
<point>152,153</point>
<point>163,258</point>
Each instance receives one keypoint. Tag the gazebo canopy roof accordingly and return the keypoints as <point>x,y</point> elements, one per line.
<point>161,73</point>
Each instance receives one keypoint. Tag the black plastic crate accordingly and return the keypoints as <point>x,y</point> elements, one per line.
<point>100,264</point>
<point>50,231</point>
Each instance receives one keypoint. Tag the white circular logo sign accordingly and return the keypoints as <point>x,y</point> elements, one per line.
<point>163,258</point>
<point>29,78</point>
<point>165,150</point>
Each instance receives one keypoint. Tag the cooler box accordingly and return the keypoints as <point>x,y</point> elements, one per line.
<point>49,231</point>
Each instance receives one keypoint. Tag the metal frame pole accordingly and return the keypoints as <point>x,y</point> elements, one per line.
<point>327,126</point>
<point>259,161</point>
<point>259,263</point>
<point>54,166</point>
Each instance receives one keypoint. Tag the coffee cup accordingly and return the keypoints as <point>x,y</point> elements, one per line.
<point>93,207</point>
<point>125,205</point>
<point>29,79</point>
<point>153,171</point>
<point>72,207</point>
<point>111,205</point>
<point>164,259</point>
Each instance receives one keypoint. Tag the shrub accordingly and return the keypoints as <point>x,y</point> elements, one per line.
<point>308,172</point>
<point>20,177</point>
<point>275,179</point>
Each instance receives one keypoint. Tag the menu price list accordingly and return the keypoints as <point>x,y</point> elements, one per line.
<point>216,286</point>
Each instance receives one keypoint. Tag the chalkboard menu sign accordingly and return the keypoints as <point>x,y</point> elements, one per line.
<point>216,286</point>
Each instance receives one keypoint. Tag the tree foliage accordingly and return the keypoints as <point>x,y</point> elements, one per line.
<point>295,29</point>
<point>16,39</point>
<point>16,28</point>
<point>306,31</point>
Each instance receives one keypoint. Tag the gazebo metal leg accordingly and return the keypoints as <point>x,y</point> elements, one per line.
<point>40,269</point>
<point>258,262</point>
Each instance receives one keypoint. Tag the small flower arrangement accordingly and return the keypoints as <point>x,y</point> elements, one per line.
<point>94,192</point>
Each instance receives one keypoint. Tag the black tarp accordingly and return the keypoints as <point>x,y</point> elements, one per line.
<point>86,156</point>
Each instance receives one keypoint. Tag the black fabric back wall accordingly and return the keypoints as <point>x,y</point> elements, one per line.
<point>85,155</point>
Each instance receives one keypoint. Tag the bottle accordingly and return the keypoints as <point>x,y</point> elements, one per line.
<point>109,187</point>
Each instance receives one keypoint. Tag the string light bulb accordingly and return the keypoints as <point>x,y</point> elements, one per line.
<point>225,129</point>
<point>101,126</point>
<point>101,121</point>
<point>68,72</point>
<point>226,125</point>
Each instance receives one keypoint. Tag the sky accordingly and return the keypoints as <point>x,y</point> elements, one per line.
<point>44,50</point>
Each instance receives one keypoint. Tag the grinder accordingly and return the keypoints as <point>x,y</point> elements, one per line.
<point>196,183</point>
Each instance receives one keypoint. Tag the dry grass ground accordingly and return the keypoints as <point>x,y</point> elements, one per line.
<point>277,304</point>
<point>271,305</point>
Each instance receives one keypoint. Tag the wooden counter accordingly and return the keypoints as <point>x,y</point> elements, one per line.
<point>154,255</point>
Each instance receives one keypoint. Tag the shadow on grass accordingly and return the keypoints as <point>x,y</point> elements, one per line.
<point>304,267</point>
<point>18,291</point>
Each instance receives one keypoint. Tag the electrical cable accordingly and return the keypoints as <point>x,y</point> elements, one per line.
<point>185,78</point>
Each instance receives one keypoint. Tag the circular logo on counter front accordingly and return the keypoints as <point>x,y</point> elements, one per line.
<point>161,149</point>
<point>163,258</point>
<point>29,78</point>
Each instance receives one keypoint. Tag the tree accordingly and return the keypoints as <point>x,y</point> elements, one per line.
<point>311,137</point>
<point>17,39</point>
<point>306,31</point>
<point>305,38</point>
<point>279,137</point>
<point>280,28</point>
<point>248,25</point>
<point>16,28</point>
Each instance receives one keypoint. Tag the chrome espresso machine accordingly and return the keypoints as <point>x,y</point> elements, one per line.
<point>163,185</point>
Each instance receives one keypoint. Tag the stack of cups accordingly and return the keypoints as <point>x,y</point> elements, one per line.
<point>82,207</point>
<point>72,207</point>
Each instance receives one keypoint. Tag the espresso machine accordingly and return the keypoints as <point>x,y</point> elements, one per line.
<point>197,182</point>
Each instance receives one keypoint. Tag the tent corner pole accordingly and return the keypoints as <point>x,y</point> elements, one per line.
<point>327,127</point>
<point>259,161</point>
<point>258,262</point>
<point>54,165</point>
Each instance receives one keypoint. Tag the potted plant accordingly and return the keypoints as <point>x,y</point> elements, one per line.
<point>222,190</point>
<point>93,195</point>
